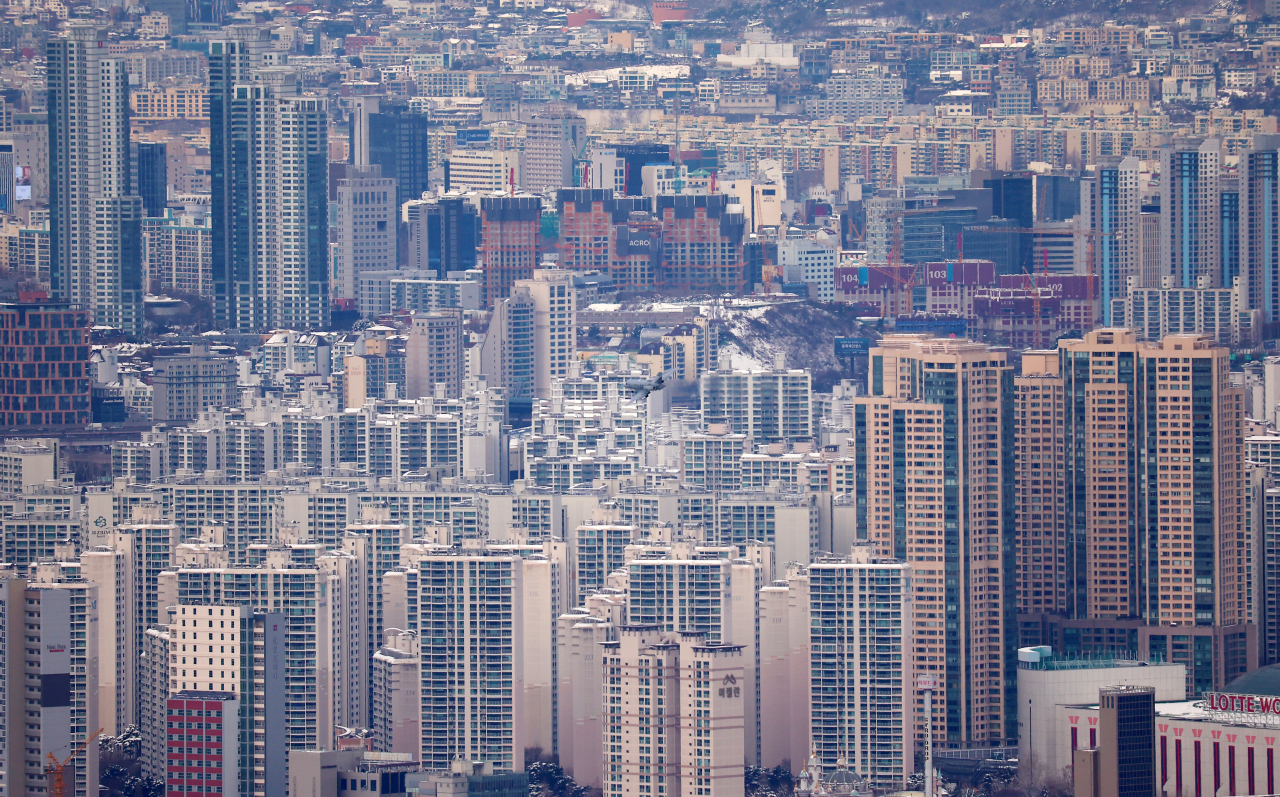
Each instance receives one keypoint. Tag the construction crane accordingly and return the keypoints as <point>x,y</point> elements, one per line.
<point>55,769</point>
<point>1089,235</point>
<point>891,270</point>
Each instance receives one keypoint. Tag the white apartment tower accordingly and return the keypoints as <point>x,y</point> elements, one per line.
<point>433,355</point>
<point>784,671</point>
<point>767,406</point>
<point>50,664</point>
<point>552,142</point>
<point>693,592</point>
<point>674,718</point>
<point>395,675</point>
<point>113,569</point>
<point>95,220</point>
<point>860,699</point>
<point>365,229</point>
<point>472,690</point>
<point>555,340</point>
<point>580,710</point>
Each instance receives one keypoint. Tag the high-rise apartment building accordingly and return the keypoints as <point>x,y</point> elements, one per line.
<point>270,189</point>
<point>862,699</point>
<point>232,59</point>
<point>1191,212</point>
<point>236,657</point>
<point>1045,577</point>
<point>1109,203</point>
<point>767,406</point>
<point>472,659</point>
<point>554,140</point>
<point>580,709</point>
<point>507,353</point>
<point>317,660</point>
<point>395,675</point>
<point>433,355</point>
<point>588,227</point>
<point>113,569</point>
<point>676,704</point>
<point>785,670</point>
<point>203,737</point>
<point>688,592</point>
<point>1151,268</point>
<point>179,252</point>
<point>1260,224</point>
<point>934,486</point>
<point>50,694</point>
<point>555,337</point>
<point>510,230</point>
<point>702,240</point>
<point>95,219</point>
<point>186,385</point>
<point>153,696</point>
<point>364,230</point>
<point>1141,454</point>
<point>1230,224</point>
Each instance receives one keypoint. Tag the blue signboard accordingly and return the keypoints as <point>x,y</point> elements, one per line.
<point>853,347</point>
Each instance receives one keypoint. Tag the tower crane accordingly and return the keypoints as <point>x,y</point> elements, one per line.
<point>59,788</point>
<point>1089,235</point>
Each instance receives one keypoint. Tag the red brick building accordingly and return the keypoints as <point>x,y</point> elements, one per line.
<point>203,744</point>
<point>510,231</point>
<point>44,365</point>
<point>701,243</point>
<point>616,235</point>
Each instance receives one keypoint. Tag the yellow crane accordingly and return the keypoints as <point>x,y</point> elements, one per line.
<point>59,788</point>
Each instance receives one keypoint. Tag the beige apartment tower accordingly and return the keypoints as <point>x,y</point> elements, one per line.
<point>938,493</point>
<point>1131,497</point>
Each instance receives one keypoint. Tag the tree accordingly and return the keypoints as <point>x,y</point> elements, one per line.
<point>547,779</point>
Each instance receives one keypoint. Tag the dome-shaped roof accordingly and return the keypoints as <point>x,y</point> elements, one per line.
<point>1262,681</point>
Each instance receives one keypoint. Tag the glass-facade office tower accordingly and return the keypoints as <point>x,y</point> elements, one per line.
<point>396,139</point>
<point>95,221</point>
<point>151,167</point>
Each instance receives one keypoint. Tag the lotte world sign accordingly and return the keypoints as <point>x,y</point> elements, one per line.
<point>1260,710</point>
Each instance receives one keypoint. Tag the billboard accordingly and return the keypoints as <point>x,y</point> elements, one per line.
<point>852,347</point>
<point>21,183</point>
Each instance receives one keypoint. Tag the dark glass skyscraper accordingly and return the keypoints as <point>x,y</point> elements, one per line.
<point>151,171</point>
<point>230,61</point>
<point>398,140</point>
